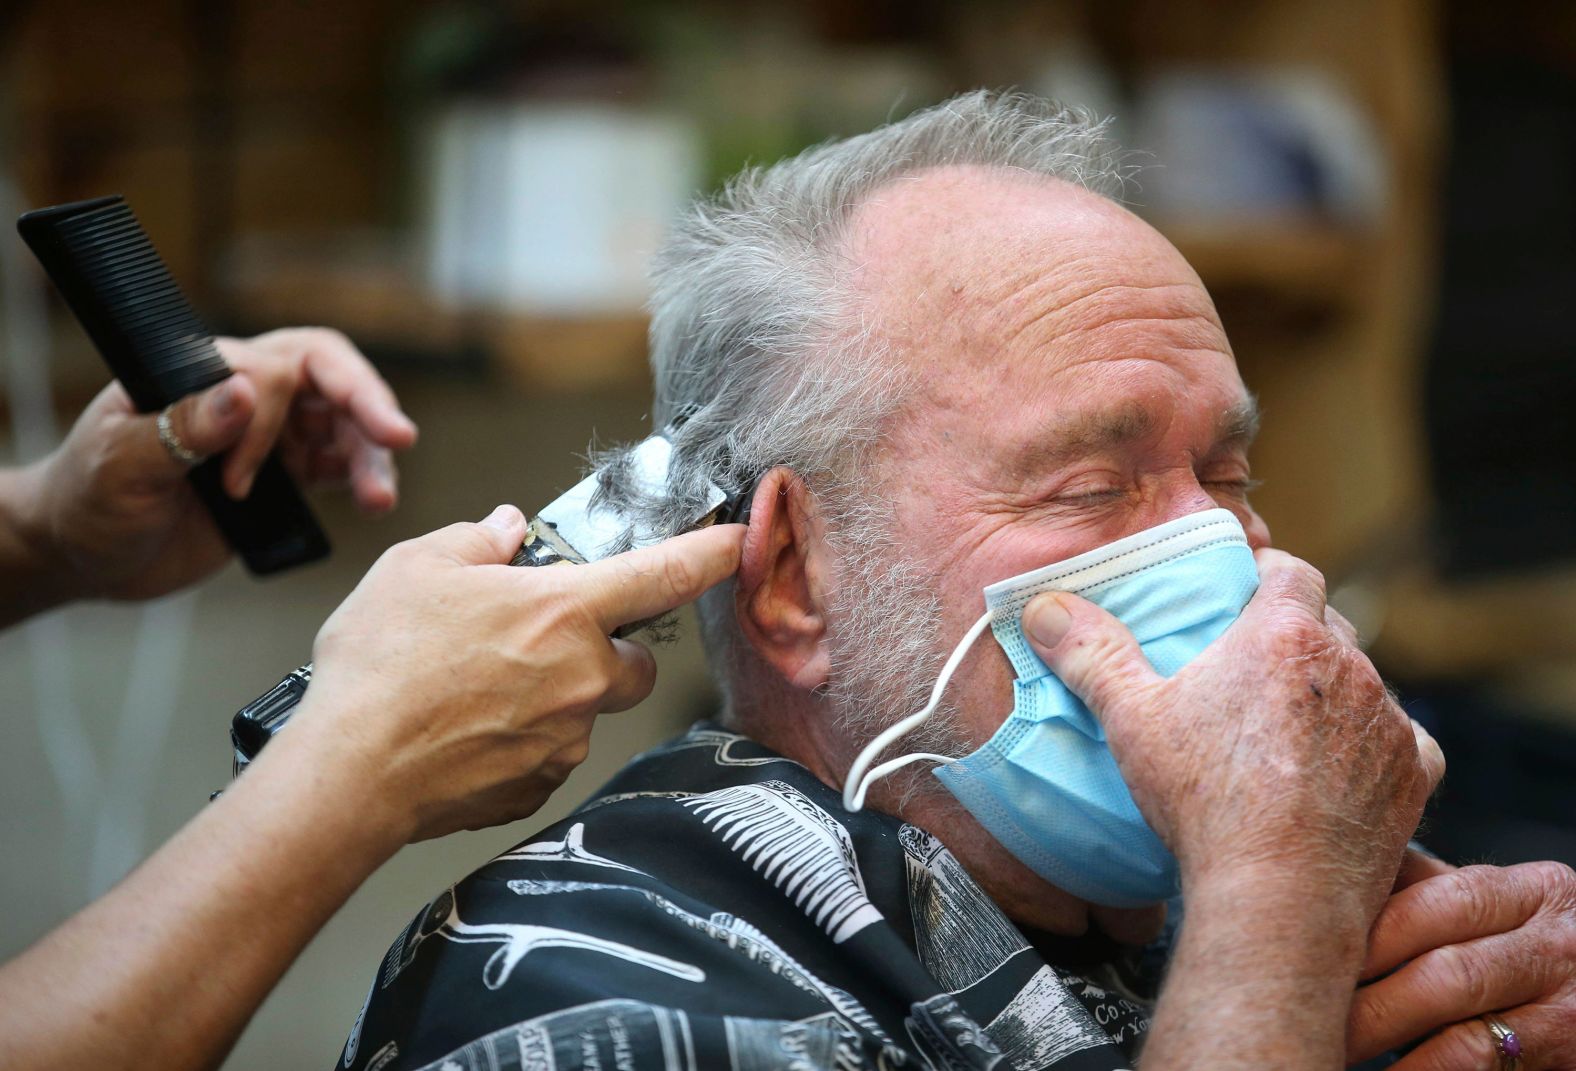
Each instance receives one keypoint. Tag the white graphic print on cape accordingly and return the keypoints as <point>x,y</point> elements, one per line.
<point>721,742</point>
<point>959,933</point>
<point>569,850</point>
<point>823,1041</point>
<point>609,1033</point>
<point>353,1042</point>
<point>382,1058</point>
<point>516,941</point>
<point>620,797</point>
<point>1122,1018</point>
<point>796,845</point>
<point>635,1036</point>
<point>779,847</point>
<point>962,937</point>
<point>1043,1023</point>
<point>734,932</point>
<point>946,1037</point>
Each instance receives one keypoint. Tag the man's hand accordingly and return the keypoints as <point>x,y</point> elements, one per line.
<point>110,514</point>
<point>1277,750</point>
<point>1467,942</point>
<point>455,691</point>
<point>1286,780</point>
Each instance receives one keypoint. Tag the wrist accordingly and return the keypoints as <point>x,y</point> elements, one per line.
<point>1262,976</point>
<point>324,769</point>
<point>1317,918</point>
<point>29,553</point>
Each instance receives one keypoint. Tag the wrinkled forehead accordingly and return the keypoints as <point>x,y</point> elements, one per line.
<point>979,278</point>
<point>967,248</point>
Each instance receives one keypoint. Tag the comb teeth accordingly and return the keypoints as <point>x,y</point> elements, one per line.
<point>119,287</point>
<point>122,294</point>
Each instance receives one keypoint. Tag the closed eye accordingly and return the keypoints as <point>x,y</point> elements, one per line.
<point>1092,497</point>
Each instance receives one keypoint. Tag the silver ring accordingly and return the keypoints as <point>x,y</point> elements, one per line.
<point>1507,1046</point>
<point>172,442</point>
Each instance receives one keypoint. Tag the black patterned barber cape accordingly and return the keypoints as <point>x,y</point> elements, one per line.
<point>715,907</point>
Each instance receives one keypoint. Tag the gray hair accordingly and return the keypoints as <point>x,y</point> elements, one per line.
<point>754,341</point>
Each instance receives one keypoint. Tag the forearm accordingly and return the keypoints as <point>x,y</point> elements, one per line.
<point>206,926</point>
<point>30,580</point>
<point>1263,976</point>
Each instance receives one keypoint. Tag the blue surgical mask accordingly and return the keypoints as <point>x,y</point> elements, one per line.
<point>1046,785</point>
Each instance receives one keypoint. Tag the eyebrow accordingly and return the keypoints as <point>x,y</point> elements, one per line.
<point>1091,433</point>
<point>1239,424</point>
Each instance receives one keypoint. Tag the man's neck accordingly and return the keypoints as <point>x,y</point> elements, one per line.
<point>799,735</point>
<point>807,735</point>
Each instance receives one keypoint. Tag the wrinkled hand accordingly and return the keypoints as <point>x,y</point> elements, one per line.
<point>1276,750</point>
<point>115,516</point>
<point>1466,942</point>
<point>460,691</point>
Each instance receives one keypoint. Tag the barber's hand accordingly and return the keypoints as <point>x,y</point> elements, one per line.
<point>1475,940</point>
<point>454,691</point>
<point>1278,750</point>
<point>114,514</point>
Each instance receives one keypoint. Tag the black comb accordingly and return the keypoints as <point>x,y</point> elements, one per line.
<point>147,332</point>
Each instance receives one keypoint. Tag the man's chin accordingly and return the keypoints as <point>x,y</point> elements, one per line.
<point>1129,925</point>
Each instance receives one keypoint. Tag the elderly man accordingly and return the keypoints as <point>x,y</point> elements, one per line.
<point>945,356</point>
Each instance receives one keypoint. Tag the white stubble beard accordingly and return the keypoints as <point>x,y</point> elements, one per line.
<point>885,645</point>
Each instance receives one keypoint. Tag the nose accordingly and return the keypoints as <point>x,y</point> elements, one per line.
<point>1190,496</point>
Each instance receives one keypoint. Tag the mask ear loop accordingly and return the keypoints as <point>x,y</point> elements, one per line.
<point>858,782</point>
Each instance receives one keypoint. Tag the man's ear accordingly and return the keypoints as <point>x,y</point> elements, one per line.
<point>781,581</point>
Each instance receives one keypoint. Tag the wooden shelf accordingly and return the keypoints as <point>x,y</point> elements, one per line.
<point>369,288</point>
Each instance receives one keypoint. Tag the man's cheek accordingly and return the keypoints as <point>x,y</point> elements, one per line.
<point>985,698</point>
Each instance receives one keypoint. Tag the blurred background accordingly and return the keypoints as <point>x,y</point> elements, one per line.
<point>1377,192</point>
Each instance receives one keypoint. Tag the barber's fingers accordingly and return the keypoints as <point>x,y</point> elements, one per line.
<point>653,580</point>
<point>324,363</point>
<point>328,467</point>
<point>339,372</point>
<point>1089,650</point>
<point>299,365</point>
<point>1418,866</point>
<point>312,423</point>
<point>634,674</point>
<point>374,480</point>
<point>493,541</point>
<point>1431,759</point>
<point>275,386</point>
<point>1286,581</point>
<point>323,446</point>
<point>208,422</point>
<point>1470,1045</point>
<point>204,422</point>
<point>1472,902</point>
<point>1449,984</point>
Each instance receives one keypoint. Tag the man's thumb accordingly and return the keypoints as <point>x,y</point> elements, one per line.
<point>493,541</point>
<point>1089,650</point>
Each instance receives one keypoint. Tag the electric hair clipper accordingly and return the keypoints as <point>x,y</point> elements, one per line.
<point>579,526</point>
<point>142,325</point>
